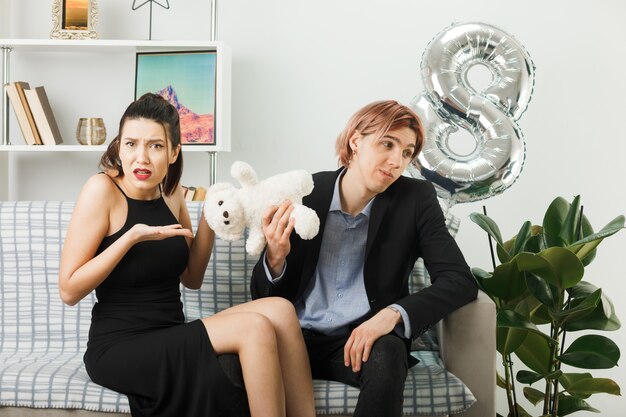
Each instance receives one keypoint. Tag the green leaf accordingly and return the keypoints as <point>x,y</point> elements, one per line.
<point>522,237</point>
<point>528,377</point>
<point>488,225</point>
<point>554,375</point>
<point>585,251</point>
<point>603,317</point>
<point>595,386</point>
<point>586,306</point>
<point>535,353</point>
<point>585,248</point>
<point>506,283</point>
<point>582,290</point>
<point>533,395</point>
<point>591,352</point>
<point>508,339</point>
<point>568,379</point>
<point>569,228</point>
<point>611,228</point>
<point>553,221</point>
<point>583,385</point>
<point>534,244</point>
<point>537,312</point>
<point>492,229</point>
<point>520,412</point>
<point>503,254</point>
<point>559,266</point>
<point>569,405</point>
<point>541,315</point>
<point>480,275</point>
<point>541,290</point>
<point>512,319</point>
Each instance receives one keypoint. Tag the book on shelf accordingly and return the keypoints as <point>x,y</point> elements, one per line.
<point>194,193</point>
<point>20,113</point>
<point>22,87</point>
<point>188,192</point>
<point>43,115</point>
<point>200,194</point>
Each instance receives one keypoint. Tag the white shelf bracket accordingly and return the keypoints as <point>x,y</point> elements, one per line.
<point>213,169</point>
<point>214,20</point>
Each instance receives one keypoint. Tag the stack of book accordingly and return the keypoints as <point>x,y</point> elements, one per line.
<point>194,193</point>
<point>34,114</point>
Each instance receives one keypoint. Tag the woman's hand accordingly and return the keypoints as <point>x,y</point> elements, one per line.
<point>142,232</point>
<point>277,227</point>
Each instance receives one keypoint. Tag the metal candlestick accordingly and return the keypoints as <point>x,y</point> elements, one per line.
<point>165,6</point>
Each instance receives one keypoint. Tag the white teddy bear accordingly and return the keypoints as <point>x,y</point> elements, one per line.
<point>229,210</point>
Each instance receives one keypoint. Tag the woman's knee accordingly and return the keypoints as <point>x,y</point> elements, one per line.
<point>256,324</point>
<point>282,312</point>
<point>238,331</point>
<point>282,306</point>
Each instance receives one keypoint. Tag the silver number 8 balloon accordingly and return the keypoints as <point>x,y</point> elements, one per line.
<point>490,115</point>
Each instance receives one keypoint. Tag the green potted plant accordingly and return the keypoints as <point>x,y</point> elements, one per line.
<point>541,299</point>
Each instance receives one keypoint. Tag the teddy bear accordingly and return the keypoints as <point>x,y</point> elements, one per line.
<point>229,210</point>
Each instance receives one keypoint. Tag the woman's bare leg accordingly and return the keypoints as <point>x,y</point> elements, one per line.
<point>252,337</point>
<point>294,360</point>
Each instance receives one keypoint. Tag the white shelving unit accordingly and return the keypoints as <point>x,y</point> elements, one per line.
<point>73,54</point>
<point>58,148</point>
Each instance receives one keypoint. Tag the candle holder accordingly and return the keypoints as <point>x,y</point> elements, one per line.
<point>91,131</point>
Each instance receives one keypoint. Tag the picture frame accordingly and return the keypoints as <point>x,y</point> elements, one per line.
<point>187,79</point>
<point>74,19</point>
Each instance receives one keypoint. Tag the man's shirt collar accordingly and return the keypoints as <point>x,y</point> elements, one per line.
<point>335,204</point>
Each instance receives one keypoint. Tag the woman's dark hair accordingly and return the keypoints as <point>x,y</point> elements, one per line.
<point>151,107</point>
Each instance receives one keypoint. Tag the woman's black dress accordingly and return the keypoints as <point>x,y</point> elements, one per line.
<point>139,343</point>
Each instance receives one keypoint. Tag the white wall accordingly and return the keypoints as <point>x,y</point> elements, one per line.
<point>4,18</point>
<point>301,68</point>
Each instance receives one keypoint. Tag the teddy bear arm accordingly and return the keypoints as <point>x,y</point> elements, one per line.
<point>256,241</point>
<point>307,223</point>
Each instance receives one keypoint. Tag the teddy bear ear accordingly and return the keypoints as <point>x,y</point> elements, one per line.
<point>244,173</point>
<point>220,186</point>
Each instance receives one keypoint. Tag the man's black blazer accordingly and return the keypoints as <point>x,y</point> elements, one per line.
<point>406,223</point>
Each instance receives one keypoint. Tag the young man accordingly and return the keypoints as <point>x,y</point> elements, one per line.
<point>349,284</point>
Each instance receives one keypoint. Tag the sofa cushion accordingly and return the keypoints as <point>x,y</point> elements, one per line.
<point>42,341</point>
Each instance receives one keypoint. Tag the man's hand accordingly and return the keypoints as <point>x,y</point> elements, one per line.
<point>277,227</point>
<point>359,345</point>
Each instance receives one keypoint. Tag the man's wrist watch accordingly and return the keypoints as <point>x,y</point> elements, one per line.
<point>396,310</point>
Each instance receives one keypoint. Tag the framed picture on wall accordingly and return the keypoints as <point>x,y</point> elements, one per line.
<point>187,80</point>
<point>74,19</point>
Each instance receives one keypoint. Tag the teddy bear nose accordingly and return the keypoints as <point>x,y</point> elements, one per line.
<point>226,222</point>
<point>225,214</point>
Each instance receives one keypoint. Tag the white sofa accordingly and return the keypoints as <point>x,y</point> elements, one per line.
<point>42,341</point>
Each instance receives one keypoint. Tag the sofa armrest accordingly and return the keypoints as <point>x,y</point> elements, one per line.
<point>468,349</point>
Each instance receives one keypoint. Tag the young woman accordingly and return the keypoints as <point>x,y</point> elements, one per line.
<point>130,239</point>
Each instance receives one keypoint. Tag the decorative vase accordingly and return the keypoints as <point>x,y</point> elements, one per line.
<point>91,131</point>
